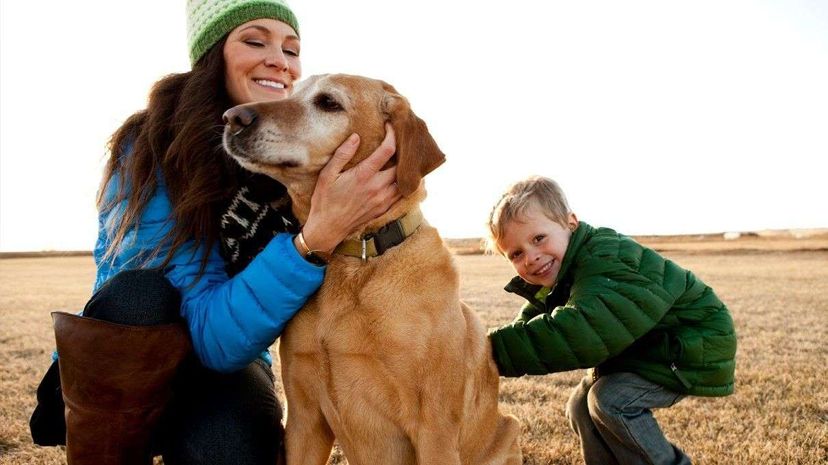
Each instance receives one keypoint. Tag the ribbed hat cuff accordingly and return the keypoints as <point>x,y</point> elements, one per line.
<point>225,23</point>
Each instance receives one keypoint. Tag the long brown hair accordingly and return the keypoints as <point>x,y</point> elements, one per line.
<point>179,133</point>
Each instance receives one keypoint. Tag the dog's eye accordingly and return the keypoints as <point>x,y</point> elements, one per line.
<point>326,102</point>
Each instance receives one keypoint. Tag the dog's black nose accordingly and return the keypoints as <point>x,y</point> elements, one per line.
<point>239,118</point>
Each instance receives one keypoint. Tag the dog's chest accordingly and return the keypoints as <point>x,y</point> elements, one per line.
<point>384,307</point>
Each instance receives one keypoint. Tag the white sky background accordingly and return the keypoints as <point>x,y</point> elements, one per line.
<point>657,117</point>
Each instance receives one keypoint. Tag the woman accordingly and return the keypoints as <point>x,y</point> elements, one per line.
<point>184,232</point>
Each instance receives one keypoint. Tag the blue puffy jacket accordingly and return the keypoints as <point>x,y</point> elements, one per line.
<point>231,320</point>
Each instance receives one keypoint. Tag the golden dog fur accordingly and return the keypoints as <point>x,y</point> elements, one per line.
<point>385,357</point>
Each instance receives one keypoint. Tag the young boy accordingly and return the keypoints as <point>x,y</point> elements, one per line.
<point>651,331</point>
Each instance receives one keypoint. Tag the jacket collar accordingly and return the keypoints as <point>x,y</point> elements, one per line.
<point>529,291</point>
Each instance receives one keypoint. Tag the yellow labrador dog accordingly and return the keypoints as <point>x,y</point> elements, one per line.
<point>385,357</point>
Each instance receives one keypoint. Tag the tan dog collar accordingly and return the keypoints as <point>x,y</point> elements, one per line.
<point>376,243</point>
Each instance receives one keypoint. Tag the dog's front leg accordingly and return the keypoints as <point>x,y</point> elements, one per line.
<point>308,438</point>
<point>437,446</point>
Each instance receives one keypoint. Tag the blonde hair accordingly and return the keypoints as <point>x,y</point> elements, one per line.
<point>543,192</point>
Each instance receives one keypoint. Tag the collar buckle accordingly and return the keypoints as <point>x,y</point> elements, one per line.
<point>388,236</point>
<point>364,240</point>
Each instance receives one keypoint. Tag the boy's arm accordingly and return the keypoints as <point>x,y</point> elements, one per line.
<point>604,315</point>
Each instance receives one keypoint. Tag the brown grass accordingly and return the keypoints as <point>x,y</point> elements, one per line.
<point>778,295</point>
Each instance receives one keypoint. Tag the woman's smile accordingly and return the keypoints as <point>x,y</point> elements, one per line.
<point>270,84</point>
<point>276,89</point>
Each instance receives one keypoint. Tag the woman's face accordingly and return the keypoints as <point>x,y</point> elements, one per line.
<point>261,61</point>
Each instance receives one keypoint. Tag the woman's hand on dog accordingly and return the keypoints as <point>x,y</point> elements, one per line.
<point>344,200</point>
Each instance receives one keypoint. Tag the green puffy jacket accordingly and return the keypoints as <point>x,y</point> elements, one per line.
<point>620,306</point>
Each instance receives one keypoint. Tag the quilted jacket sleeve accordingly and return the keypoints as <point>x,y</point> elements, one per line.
<point>613,302</point>
<point>231,320</point>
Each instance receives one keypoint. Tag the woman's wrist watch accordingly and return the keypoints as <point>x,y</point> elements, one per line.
<point>316,257</point>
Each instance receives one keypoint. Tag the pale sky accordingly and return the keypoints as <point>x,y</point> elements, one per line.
<point>656,117</point>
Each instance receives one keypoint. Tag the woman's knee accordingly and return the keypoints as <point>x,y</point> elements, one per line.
<point>235,439</point>
<point>226,418</point>
<point>136,297</point>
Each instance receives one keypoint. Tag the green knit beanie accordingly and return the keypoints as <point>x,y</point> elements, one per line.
<point>210,20</point>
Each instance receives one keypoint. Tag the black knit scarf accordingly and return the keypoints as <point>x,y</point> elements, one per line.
<point>259,209</point>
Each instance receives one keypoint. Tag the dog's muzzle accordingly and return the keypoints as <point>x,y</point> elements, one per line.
<point>239,118</point>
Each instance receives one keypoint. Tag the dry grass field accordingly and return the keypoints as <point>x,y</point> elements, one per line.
<point>777,290</point>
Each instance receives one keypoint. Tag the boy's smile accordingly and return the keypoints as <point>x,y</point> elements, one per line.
<point>536,245</point>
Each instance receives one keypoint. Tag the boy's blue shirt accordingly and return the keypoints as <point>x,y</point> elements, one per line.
<point>231,320</point>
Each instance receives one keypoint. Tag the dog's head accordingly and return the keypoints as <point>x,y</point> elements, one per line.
<point>291,140</point>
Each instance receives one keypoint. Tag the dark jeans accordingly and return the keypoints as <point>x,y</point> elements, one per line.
<point>614,421</point>
<point>213,418</point>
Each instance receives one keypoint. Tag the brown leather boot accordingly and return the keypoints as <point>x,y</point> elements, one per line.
<point>116,382</point>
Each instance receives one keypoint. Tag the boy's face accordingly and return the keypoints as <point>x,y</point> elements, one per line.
<point>536,245</point>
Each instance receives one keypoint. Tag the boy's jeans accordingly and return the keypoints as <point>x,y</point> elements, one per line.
<point>613,420</point>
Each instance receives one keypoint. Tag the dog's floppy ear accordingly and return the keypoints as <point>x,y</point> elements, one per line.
<point>417,152</point>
